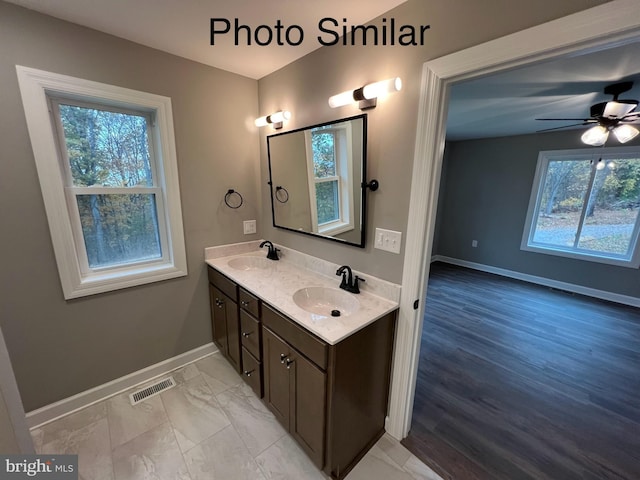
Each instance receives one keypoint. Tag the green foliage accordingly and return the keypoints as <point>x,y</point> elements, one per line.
<point>622,185</point>
<point>571,204</point>
<point>324,156</point>
<point>327,201</point>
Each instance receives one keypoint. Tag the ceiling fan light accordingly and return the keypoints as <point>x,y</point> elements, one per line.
<point>624,133</point>
<point>595,136</point>
<point>618,109</point>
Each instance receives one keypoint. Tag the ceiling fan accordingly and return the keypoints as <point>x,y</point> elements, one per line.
<point>613,116</point>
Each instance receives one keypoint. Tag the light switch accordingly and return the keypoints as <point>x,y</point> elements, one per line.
<point>249,227</point>
<point>388,240</point>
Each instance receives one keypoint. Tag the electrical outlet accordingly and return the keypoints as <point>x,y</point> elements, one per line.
<point>249,227</point>
<point>388,240</point>
<point>474,243</point>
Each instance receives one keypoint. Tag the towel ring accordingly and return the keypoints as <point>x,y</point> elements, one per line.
<point>285,196</point>
<point>231,200</point>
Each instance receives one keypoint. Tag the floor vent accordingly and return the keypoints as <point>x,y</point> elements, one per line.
<point>152,390</point>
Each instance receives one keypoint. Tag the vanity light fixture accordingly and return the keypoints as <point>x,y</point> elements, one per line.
<point>366,96</point>
<point>276,119</point>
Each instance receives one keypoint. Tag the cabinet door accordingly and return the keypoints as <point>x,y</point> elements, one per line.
<point>276,376</point>
<point>226,326</point>
<point>219,319</point>
<point>308,406</point>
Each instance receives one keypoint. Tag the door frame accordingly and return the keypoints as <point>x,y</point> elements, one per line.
<point>611,24</point>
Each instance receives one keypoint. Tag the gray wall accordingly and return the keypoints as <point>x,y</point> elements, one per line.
<point>60,348</point>
<point>485,191</point>
<point>289,170</point>
<point>304,86</point>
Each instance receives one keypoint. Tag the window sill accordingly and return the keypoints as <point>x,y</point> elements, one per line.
<point>335,228</point>
<point>585,256</point>
<point>108,281</point>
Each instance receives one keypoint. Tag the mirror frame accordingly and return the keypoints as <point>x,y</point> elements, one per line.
<point>363,181</point>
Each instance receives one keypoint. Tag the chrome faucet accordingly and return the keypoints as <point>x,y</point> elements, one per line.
<point>272,254</point>
<point>349,283</point>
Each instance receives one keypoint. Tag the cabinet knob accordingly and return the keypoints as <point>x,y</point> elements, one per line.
<point>244,303</point>
<point>246,334</point>
<point>283,357</point>
<point>289,362</point>
<point>248,372</point>
<point>219,303</point>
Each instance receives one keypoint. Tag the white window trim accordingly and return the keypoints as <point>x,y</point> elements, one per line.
<point>345,186</point>
<point>544,157</point>
<point>35,86</point>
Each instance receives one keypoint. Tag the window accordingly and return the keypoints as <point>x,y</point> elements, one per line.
<point>108,172</point>
<point>585,204</point>
<point>329,165</point>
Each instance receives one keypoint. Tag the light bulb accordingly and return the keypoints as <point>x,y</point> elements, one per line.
<point>624,133</point>
<point>261,122</point>
<point>277,117</point>
<point>341,99</point>
<point>595,136</point>
<point>378,89</point>
<point>600,165</point>
<point>611,165</point>
<point>280,116</point>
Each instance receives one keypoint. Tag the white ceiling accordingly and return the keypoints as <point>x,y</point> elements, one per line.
<point>182,27</point>
<point>497,105</point>
<point>508,103</point>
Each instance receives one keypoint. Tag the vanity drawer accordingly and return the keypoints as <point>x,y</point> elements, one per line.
<point>313,348</point>
<point>252,372</point>
<point>249,303</point>
<point>250,333</point>
<point>228,287</point>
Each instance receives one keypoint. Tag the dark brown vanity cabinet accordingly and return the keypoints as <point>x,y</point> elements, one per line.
<point>331,398</point>
<point>295,391</point>
<point>225,322</point>
<point>235,320</point>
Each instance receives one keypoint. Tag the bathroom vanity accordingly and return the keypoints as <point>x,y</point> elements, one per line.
<point>326,379</point>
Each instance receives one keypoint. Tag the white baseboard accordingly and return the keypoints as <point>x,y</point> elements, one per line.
<point>547,282</point>
<point>49,413</point>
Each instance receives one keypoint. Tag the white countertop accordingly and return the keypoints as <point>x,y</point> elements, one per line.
<point>277,283</point>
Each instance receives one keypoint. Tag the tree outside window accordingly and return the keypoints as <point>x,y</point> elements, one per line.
<point>108,155</point>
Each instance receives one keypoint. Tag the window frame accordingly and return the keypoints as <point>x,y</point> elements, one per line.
<point>344,170</point>
<point>40,90</point>
<point>632,260</point>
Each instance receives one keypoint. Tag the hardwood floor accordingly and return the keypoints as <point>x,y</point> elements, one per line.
<point>521,382</point>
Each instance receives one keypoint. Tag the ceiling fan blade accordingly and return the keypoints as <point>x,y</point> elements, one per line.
<point>570,119</point>
<point>564,126</point>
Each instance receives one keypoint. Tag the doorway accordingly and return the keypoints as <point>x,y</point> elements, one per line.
<point>617,22</point>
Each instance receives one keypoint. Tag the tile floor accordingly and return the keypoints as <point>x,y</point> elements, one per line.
<point>210,426</point>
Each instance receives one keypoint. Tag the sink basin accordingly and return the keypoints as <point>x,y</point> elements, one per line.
<point>323,300</point>
<point>250,263</point>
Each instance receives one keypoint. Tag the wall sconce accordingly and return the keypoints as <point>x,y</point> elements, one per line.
<point>366,96</point>
<point>597,136</point>
<point>276,119</point>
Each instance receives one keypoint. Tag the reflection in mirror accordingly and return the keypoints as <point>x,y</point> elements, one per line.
<point>316,175</point>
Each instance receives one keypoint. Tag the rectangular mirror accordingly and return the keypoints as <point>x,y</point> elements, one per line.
<point>316,175</point>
